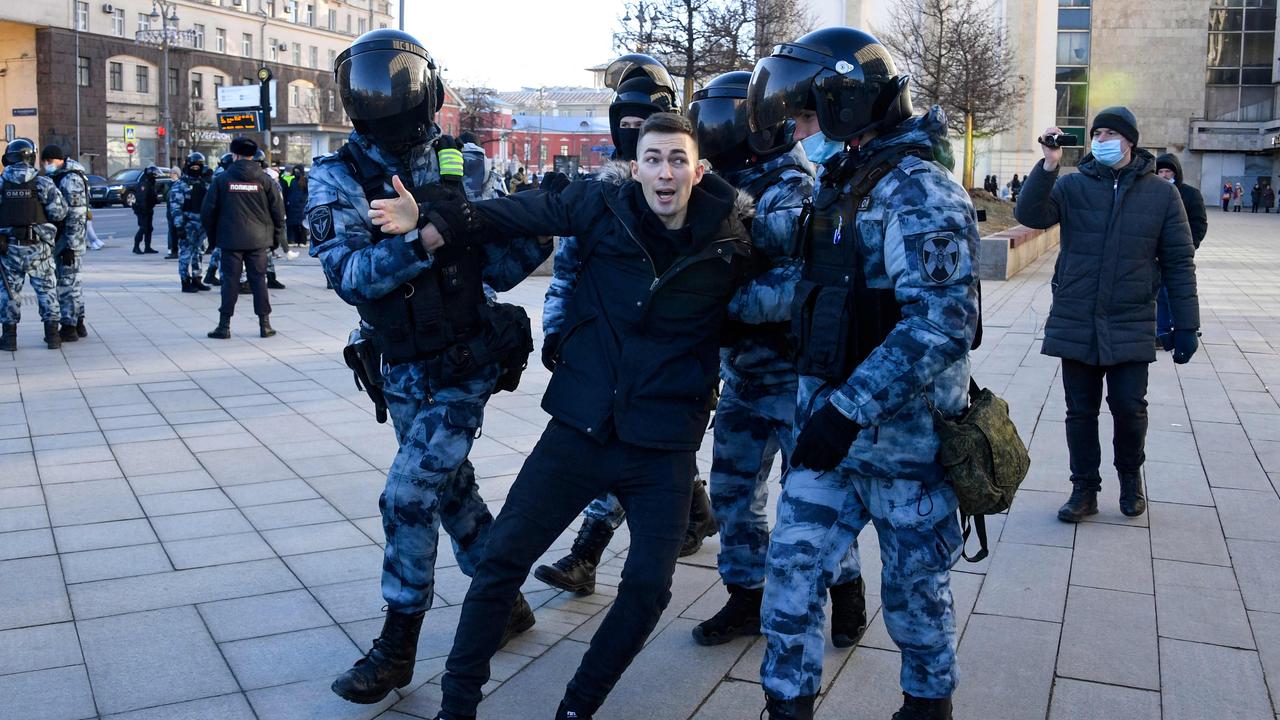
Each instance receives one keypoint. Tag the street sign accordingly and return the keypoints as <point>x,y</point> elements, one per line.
<point>24,112</point>
<point>239,97</point>
<point>240,120</point>
<point>130,147</point>
<point>130,133</point>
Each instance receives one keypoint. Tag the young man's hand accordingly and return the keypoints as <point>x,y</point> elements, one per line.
<point>1052,156</point>
<point>397,215</point>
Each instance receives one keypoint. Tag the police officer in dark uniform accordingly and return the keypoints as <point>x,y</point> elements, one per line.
<point>436,347</point>
<point>144,204</point>
<point>244,215</point>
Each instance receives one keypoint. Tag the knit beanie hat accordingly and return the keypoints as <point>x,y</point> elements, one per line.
<point>1119,119</point>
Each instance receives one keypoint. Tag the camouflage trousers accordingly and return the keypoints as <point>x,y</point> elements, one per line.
<point>606,509</point>
<point>750,429</point>
<point>820,515</point>
<point>70,295</point>
<point>190,248</point>
<point>20,262</point>
<point>431,482</point>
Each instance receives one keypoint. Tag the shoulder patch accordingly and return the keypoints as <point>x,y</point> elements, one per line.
<point>940,256</point>
<point>321,220</point>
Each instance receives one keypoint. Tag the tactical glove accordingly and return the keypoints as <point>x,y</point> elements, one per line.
<point>554,182</point>
<point>1185,344</point>
<point>67,256</point>
<point>550,345</point>
<point>449,153</point>
<point>825,440</point>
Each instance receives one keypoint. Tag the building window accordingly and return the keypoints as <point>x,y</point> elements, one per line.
<point>297,54</point>
<point>218,82</point>
<point>313,57</point>
<point>144,22</point>
<point>293,96</point>
<point>273,52</point>
<point>117,22</point>
<point>1072,74</point>
<point>362,25</point>
<point>197,85</point>
<point>115,75</point>
<point>331,103</point>
<point>144,79</point>
<point>1238,74</point>
<point>82,71</point>
<point>333,59</point>
<point>198,31</point>
<point>220,40</point>
<point>82,16</point>
<point>348,23</point>
<point>246,45</point>
<point>270,7</point>
<point>333,19</point>
<point>309,15</point>
<point>174,84</point>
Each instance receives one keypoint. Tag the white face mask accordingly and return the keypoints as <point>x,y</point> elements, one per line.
<point>50,168</point>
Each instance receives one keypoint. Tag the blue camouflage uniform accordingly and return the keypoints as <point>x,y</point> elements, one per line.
<point>70,180</point>
<point>33,260</point>
<point>191,236</point>
<point>757,404</point>
<point>435,422</point>
<point>891,477</point>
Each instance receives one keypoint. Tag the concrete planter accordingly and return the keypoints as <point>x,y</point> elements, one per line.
<point>1007,252</point>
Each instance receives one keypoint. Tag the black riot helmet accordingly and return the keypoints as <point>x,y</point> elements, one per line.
<point>260,157</point>
<point>390,89</point>
<point>152,171</point>
<point>225,161</point>
<point>19,150</point>
<point>640,97</point>
<point>194,164</point>
<point>718,114</point>
<point>634,65</point>
<point>843,74</point>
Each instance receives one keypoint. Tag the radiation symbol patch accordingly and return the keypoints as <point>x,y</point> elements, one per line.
<point>940,256</point>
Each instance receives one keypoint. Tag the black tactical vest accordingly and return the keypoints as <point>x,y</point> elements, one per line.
<point>837,319</point>
<point>195,197</point>
<point>434,311</point>
<point>21,209</point>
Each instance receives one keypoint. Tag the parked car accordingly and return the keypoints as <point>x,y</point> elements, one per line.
<point>122,187</point>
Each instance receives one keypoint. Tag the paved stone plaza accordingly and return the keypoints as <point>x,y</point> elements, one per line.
<point>189,530</point>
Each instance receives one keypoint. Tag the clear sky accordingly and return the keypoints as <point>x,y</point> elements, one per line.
<point>509,44</point>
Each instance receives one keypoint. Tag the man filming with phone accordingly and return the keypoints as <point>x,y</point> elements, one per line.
<point>1123,231</point>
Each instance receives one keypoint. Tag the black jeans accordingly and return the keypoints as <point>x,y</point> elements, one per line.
<point>145,228</point>
<point>254,263</point>
<point>297,234</point>
<point>565,471</point>
<point>1127,398</point>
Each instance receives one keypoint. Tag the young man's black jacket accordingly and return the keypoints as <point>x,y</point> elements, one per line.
<point>1192,200</point>
<point>638,355</point>
<point>243,209</point>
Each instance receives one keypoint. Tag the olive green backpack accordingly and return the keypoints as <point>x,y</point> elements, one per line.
<point>983,458</point>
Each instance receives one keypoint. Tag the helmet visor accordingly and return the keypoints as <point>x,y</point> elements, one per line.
<point>384,83</point>
<point>720,124</point>
<point>634,64</point>
<point>847,106</point>
<point>780,89</point>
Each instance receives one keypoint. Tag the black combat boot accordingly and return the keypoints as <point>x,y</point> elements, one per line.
<point>848,613</point>
<point>137,246</point>
<point>244,288</point>
<point>273,283</point>
<point>264,326</point>
<point>740,616</point>
<point>195,283</point>
<point>188,286</point>
<point>1082,503</point>
<point>81,330</point>
<point>520,619</point>
<point>148,251</point>
<point>1132,502</point>
<point>442,715</point>
<point>566,712</point>
<point>51,337</point>
<point>223,331</point>
<point>9,337</point>
<point>576,572</point>
<point>387,665</point>
<point>914,708</point>
<point>702,521</point>
<point>800,708</point>
<point>67,333</point>
<point>211,276</point>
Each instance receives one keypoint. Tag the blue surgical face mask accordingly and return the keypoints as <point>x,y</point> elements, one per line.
<point>1108,153</point>
<point>819,149</point>
<point>50,168</point>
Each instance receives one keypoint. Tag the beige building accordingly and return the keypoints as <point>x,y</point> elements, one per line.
<point>91,75</point>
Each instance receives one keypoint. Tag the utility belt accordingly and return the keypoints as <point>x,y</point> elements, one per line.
<point>23,235</point>
<point>775,335</point>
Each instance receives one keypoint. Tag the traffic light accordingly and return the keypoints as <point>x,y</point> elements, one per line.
<point>161,132</point>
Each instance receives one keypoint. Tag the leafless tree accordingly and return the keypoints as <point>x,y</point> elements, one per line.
<point>957,53</point>
<point>699,39</point>
<point>480,108</point>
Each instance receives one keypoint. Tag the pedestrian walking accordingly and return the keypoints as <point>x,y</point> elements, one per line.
<point>30,207</point>
<point>243,214</point>
<point>1102,319</point>
<point>144,204</point>
<point>68,252</point>
<point>1237,198</point>
<point>1170,169</point>
<point>1015,186</point>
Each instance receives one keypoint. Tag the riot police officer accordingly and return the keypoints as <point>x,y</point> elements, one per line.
<point>144,204</point>
<point>441,347</point>
<point>30,205</point>
<point>68,251</point>
<point>186,198</point>
<point>889,252</point>
<point>642,86</point>
<point>756,409</point>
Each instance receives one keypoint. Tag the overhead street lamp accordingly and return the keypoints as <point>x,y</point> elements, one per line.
<point>167,35</point>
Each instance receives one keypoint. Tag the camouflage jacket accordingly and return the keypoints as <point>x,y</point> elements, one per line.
<point>361,270</point>
<point>70,180</point>
<point>178,194</point>
<point>55,206</point>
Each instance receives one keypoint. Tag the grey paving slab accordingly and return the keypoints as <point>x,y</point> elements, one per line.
<point>181,481</point>
<point>315,538</point>
<point>1177,483</point>
<point>222,707</point>
<point>23,518</point>
<point>309,700</point>
<point>26,543</point>
<point>152,658</point>
<point>289,657</point>
<point>1201,681</point>
<point>291,514</point>
<point>1200,603</point>
<point>867,687</point>
<point>242,466</point>
<point>106,563</point>
<point>186,501</point>
<point>32,592</point>
<point>350,601</point>
<point>92,501</point>
<point>1110,637</point>
<point>27,695</point>
<point>1249,515</point>
<point>1078,700</point>
<point>1266,631</point>
<point>39,647</point>
<point>217,550</point>
<point>1017,657</point>
<point>259,615</point>
<point>1028,581</point>
<point>1113,557</point>
<point>118,533</point>
<point>1033,519</point>
<point>159,456</point>
<point>275,491</point>
<point>1255,564</point>
<point>334,566</point>
<point>201,524</point>
<point>181,587</point>
<point>1187,532</point>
